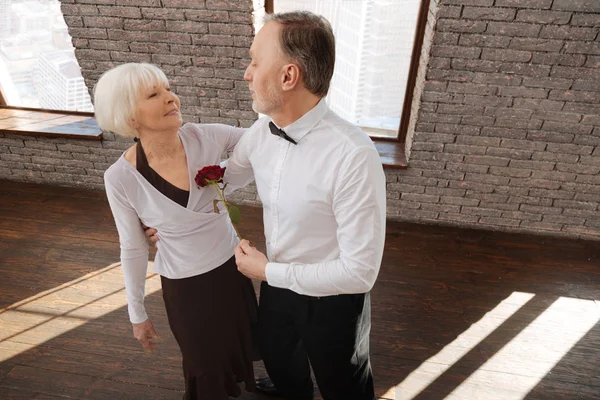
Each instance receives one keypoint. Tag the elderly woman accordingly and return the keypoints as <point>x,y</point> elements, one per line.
<point>210,305</point>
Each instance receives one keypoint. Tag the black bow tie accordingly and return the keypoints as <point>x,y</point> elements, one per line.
<point>279,132</point>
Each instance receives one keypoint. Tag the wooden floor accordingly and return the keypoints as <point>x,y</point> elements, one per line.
<point>457,314</point>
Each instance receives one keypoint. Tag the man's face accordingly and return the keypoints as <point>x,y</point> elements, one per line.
<point>265,73</point>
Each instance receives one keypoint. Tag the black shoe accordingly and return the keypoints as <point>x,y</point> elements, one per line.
<point>266,386</point>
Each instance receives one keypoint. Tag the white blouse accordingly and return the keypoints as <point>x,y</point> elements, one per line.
<point>193,240</point>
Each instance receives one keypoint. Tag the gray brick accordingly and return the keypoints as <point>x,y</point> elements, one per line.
<point>463,167</point>
<point>478,141</point>
<point>455,51</point>
<point>521,216</point>
<point>446,11</point>
<point>570,149</point>
<point>74,21</point>
<point>464,149</point>
<point>162,13</point>
<point>103,22</point>
<point>552,194</point>
<point>567,32</point>
<point>586,85</point>
<point>443,174</point>
<point>575,73</point>
<point>587,179</point>
<point>404,188</point>
<point>488,179</point>
<point>479,120</point>
<point>579,169</point>
<point>497,79</point>
<point>544,17</point>
<point>240,17</point>
<point>441,97</point>
<point>580,205</point>
<point>488,198</point>
<point>490,14</point>
<point>207,15</point>
<point>439,62</point>
<point>548,136</point>
<point>149,47</point>
<point>460,26</point>
<point>586,20</point>
<point>79,9</point>
<point>476,65</point>
<point>536,93</point>
<point>534,183</point>
<point>553,175</point>
<point>590,160</point>
<point>506,55</point>
<point>459,201</point>
<point>187,26</point>
<point>230,29</point>
<point>554,83</point>
<point>510,172</point>
<point>538,4</point>
<point>593,62</point>
<point>443,208</point>
<point>421,198</point>
<point>512,113</point>
<point>506,133</point>
<point>582,108</point>
<point>587,140</point>
<point>589,6</point>
<point>582,48</point>
<point>431,86</point>
<point>539,104</point>
<point>539,209</point>
<point>567,127</point>
<point>509,153</point>
<point>571,60</point>
<point>517,29</point>
<point>449,75</point>
<point>533,165</point>
<point>535,44</point>
<point>526,69</point>
<point>482,212</point>
<point>432,117</point>
<point>123,12</point>
<point>574,95</point>
<point>230,5</point>
<point>488,101</point>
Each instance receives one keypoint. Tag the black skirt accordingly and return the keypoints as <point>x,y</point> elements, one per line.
<point>213,318</point>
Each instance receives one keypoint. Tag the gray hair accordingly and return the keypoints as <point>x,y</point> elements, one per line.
<point>307,39</point>
<point>117,92</point>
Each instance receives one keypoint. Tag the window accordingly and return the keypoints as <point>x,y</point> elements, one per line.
<point>374,44</point>
<point>38,68</point>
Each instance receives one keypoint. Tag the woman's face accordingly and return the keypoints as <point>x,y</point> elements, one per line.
<point>157,110</point>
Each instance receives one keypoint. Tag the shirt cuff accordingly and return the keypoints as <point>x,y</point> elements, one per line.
<point>276,274</point>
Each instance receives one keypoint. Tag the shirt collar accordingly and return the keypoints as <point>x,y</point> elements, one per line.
<point>299,128</point>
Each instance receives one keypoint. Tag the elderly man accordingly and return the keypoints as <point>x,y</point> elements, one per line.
<point>322,186</point>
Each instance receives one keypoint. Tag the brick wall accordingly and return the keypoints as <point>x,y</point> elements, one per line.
<point>507,112</point>
<point>202,45</point>
<point>509,121</point>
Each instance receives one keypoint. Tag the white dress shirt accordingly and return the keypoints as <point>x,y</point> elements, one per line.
<point>324,202</point>
<point>194,239</point>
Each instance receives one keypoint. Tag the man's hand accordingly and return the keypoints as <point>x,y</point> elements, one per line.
<point>250,261</point>
<point>145,334</point>
<point>151,234</point>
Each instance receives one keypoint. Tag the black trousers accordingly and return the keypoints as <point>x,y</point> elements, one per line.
<point>331,334</point>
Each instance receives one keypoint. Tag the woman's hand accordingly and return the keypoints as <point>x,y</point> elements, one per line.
<point>145,334</point>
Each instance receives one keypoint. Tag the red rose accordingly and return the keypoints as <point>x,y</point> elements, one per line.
<point>210,173</point>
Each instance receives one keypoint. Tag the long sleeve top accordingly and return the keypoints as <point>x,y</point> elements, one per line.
<point>194,239</point>
<point>324,202</point>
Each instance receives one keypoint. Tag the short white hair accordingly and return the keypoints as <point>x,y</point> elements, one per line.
<point>117,92</point>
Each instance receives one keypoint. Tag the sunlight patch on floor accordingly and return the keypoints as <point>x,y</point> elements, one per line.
<point>431,369</point>
<point>53,312</point>
<point>523,362</point>
<point>518,366</point>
